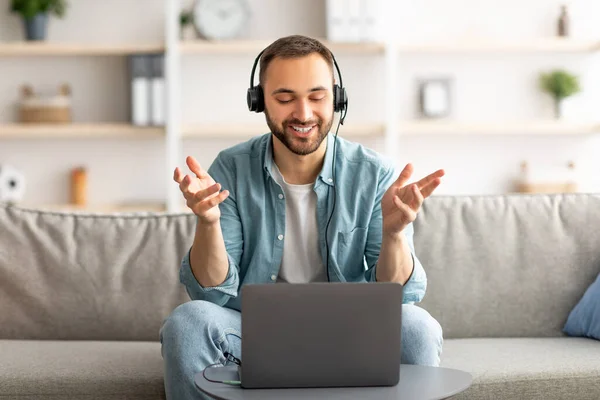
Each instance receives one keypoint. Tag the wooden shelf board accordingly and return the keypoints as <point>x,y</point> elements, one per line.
<point>492,128</point>
<point>240,131</point>
<point>76,49</point>
<point>255,46</point>
<point>543,45</point>
<point>77,130</point>
<point>46,48</point>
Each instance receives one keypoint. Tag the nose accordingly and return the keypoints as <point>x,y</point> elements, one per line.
<point>303,111</point>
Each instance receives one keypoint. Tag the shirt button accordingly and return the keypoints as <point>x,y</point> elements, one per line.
<point>280,237</point>
<point>329,180</point>
<point>280,196</point>
<point>273,277</point>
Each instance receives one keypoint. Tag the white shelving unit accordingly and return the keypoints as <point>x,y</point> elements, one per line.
<point>176,130</point>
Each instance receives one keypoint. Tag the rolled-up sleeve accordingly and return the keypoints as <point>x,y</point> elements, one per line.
<point>217,294</point>
<point>416,286</point>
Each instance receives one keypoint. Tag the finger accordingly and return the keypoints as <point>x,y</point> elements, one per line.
<point>410,214</point>
<point>417,198</point>
<point>405,175</point>
<point>411,195</point>
<point>195,167</point>
<point>204,194</point>
<point>428,190</point>
<point>429,179</point>
<point>212,202</point>
<point>177,175</point>
<point>184,185</point>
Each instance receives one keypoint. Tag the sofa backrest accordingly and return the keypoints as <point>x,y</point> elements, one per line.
<point>89,277</point>
<point>497,266</point>
<point>507,266</point>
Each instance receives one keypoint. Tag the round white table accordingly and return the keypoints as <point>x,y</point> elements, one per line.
<point>416,383</point>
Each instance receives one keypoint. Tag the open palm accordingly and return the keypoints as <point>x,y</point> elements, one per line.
<point>200,191</point>
<point>401,202</point>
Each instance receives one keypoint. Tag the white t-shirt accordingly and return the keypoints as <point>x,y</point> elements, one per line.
<point>301,261</point>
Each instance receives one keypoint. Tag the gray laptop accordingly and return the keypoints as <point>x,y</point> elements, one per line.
<point>321,335</point>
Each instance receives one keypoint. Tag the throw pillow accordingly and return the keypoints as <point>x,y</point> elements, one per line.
<point>584,319</point>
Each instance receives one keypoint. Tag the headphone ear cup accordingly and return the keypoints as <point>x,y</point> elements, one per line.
<point>255,99</point>
<point>340,99</point>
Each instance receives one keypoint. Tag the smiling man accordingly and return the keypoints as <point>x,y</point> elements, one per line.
<point>295,205</point>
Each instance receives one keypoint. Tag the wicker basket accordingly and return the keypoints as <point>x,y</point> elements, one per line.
<point>52,109</point>
<point>557,185</point>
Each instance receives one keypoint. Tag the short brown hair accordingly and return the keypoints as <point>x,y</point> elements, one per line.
<point>292,47</point>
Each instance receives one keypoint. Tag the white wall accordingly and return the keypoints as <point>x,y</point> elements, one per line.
<point>488,87</point>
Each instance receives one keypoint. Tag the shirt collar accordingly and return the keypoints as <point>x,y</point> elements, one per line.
<point>324,175</point>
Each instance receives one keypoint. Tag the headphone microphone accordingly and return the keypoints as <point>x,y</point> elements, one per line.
<point>255,98</point>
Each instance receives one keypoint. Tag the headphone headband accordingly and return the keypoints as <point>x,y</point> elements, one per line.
<point>255,94</point>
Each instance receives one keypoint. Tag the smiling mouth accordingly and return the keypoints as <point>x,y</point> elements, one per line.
<point>302,131</point>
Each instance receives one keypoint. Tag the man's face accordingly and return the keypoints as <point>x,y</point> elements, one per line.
<point>299,101</point>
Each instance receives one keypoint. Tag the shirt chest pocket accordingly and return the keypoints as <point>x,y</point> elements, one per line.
<point>351,253</point>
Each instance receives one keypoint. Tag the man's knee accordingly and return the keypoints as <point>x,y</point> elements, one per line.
<point>192,316</point>
<point>422,337</point>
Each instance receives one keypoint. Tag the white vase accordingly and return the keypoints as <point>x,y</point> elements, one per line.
<point>568,109</point>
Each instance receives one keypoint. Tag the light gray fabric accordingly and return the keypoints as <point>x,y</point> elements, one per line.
<point>39,369</point>
<point>524,368</point>
<point>502,266</point>
<point>91,277</point>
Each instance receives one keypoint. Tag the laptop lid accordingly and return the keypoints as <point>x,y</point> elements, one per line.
<point>321,335</point>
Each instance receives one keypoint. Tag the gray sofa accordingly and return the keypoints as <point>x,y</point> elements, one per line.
<point>82,296</point>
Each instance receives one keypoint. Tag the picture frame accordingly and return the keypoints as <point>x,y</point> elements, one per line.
<point>435,97</point>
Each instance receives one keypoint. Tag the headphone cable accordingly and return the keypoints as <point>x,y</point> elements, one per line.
<point>334,191</point>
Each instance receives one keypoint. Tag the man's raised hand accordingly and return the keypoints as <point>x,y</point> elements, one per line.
<point>402,201</point>
<point>200,191</point>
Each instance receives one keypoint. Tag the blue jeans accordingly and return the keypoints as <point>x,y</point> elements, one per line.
<point>197,333</point>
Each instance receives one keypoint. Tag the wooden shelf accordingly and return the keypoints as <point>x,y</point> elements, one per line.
<point>241,131</point>
<point>13,49</point>
<point>255,46</point>
<point>495,128</point>
<point>543,45</point>
<point>76,130</point>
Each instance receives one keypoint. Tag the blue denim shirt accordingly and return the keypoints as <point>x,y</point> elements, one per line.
<point>253,219</point>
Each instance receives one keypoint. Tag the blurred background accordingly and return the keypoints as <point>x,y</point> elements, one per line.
<point>100,100</point>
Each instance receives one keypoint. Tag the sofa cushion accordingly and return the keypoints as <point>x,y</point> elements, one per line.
<point>584,319</point>
<point>88,370</point>
<point>527,368</point>
<point>507,266</point>
<point>89,276</point>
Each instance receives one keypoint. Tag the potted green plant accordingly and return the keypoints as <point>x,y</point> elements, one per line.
<point>560,84</point>
<point>35,15</point>
<point>186,18</point>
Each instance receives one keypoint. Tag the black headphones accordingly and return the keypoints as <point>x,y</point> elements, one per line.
<point>256,98</point>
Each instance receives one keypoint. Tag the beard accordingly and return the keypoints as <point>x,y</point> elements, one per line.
<point>297,145</point>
